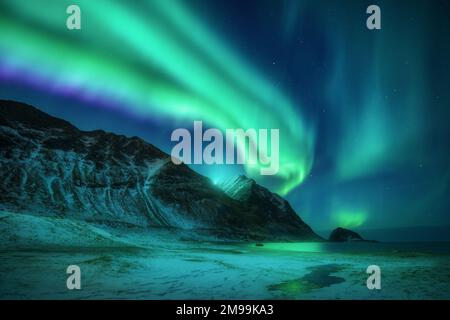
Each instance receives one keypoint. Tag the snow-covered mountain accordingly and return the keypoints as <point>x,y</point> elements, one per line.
<point>48,167</point>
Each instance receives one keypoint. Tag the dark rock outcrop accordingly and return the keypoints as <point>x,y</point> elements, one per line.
<point>343,235</point>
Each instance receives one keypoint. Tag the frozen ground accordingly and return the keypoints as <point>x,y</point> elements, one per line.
<point>162,264</point>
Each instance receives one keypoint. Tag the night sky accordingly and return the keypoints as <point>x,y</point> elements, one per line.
<point>363,114</point>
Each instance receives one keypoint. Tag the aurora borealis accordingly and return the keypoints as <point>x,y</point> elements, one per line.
<point>187,75</point>
<point>363,115</point>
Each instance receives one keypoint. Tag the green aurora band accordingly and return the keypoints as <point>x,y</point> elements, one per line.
<point>156,58</point>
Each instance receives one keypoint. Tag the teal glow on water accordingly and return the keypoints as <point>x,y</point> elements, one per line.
<point>292,246</point>
<point>355,247</point>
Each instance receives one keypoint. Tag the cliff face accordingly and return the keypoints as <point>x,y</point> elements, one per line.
<point>50,168</point>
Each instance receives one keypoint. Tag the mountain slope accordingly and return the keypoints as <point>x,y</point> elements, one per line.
<point>50,168</point>
<point>258,198</point>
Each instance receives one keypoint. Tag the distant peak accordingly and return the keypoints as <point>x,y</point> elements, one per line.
<point>244,179</point>
<point>238,187</point>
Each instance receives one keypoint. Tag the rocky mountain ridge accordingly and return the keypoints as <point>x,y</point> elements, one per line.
<point>51,168</point>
